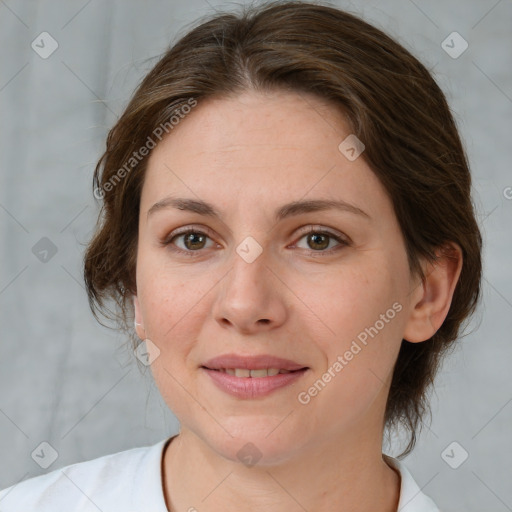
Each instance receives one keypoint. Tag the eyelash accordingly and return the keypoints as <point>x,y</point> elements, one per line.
<point>168,241</point>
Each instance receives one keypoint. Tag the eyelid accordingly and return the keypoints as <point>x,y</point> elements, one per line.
<point>318,228</point>
<point>186,229</point>
<point>341,239</point>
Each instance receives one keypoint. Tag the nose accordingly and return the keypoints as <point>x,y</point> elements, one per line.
<point>251,297</point>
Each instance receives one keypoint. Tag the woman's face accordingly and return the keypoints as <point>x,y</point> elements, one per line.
<point>252,281</point>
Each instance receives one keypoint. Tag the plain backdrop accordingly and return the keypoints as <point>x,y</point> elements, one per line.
<point>67,381</point>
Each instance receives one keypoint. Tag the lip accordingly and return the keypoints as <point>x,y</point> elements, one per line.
<point>258,362</point>
<point>252,387</point>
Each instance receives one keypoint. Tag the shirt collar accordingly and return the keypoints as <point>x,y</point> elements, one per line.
<point>412,498</point>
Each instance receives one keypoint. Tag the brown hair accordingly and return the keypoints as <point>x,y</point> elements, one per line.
<point>391,103</point>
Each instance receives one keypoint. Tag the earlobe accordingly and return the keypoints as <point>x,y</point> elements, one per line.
<point>431,302</point>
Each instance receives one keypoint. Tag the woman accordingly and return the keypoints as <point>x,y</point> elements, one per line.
<point>287,220</point>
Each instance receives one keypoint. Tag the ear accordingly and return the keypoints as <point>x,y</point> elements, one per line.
<point>138,323</point>
<point>430,299</point>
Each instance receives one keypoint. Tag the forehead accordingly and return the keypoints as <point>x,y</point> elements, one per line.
<point>260,148</point>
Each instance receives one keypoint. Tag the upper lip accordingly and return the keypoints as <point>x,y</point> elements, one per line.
<point>258,362</point>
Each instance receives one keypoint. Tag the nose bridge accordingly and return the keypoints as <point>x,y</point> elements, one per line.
<point>249,298</point>
<point>249,272</point>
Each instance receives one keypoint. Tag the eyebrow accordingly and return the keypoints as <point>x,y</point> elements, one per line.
<point>288,210</point>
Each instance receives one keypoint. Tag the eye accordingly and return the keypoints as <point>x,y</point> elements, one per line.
<point>320,240</point>
<point>193,240</point>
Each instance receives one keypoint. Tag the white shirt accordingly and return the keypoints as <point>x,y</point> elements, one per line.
<point>131,481</point>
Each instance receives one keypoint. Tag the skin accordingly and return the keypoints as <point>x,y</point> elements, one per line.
<point>266,150</point>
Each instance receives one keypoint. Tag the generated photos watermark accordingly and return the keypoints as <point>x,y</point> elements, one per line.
<point>151,142</point>
<point>304,397</point>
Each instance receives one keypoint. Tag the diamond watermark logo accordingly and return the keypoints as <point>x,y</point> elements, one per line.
<point>249,454</point>
<point>454,45</point>
<point>45,455</point>
<point>249,249</point>
<point>44,45</point>
<point>454,455</point>
<point>146,352</point>
<point>351,147</point>
<point>44,250</point>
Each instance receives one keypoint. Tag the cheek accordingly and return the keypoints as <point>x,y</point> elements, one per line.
<point>167,293</point>
<point>172,311</point>
<point>347,302</point>
<point>170,308</point>
<point>360,335</point>
<point>176,301</point>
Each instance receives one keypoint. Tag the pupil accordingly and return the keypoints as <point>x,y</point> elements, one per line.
<point>189,239</point>
<point>314,237</point>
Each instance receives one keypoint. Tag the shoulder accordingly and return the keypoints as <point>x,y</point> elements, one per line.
<point>412,498</point>
<point>108,483</point>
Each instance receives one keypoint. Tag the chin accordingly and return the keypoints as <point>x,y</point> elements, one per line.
<point>257,444</point>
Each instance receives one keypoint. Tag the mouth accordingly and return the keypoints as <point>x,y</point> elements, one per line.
<point>251,377</point>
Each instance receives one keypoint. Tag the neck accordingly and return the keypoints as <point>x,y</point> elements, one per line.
<point>352,476</point>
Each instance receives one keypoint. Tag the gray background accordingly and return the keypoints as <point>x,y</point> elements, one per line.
<point>68,381</point>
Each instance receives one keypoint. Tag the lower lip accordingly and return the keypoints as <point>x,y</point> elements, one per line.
<point>252,387</point>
